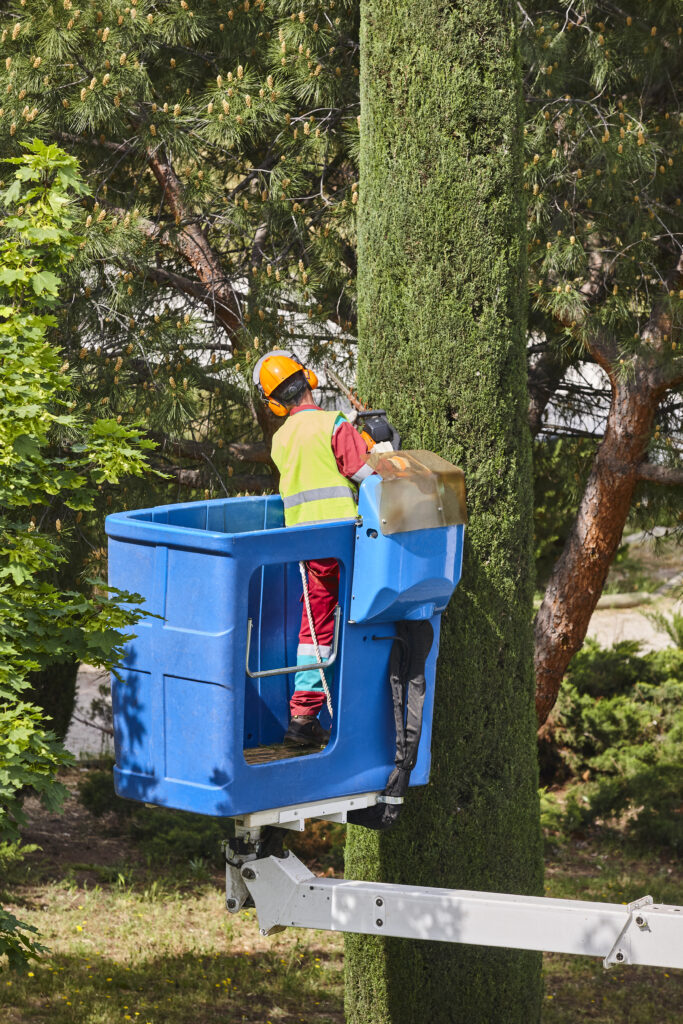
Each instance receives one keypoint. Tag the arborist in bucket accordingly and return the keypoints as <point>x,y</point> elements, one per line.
<point>321,459</point>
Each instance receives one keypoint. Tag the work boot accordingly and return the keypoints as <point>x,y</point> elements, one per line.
<point>306,731</point>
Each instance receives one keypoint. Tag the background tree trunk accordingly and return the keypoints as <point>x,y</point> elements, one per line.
<point>442,328</point>
<point>578,578</point>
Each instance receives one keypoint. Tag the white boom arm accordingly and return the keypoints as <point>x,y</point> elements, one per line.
<point>285,893</point>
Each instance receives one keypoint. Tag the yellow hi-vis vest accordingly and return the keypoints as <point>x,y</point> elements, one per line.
<point>312,488</point>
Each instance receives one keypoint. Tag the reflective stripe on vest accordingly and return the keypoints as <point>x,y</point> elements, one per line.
<point>315,495</point>
<point>312,488</point>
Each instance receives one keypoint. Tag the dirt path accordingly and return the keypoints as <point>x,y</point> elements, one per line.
<point>81,739</point>
<point>609,625</point>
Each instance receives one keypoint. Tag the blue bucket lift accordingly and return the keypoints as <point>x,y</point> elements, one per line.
<point>205,689</point>
<point>206,682</point>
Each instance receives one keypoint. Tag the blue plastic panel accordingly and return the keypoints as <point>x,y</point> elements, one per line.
<point>186,709</point>
<point>405,575</point>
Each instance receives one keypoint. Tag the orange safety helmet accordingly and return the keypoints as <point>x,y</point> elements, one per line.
<point>274,369</point>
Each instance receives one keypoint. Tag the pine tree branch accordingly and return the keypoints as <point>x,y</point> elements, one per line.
<point>667,476</point>
<point>260,237</point>
<point>660,328</point>
<point>193,244</point>
<point>605,352</point>
<point>201,478</point>
<point>656,333</point>
<point>220,301</point>
<point>242,450</point>
<point>256,452</point>
<point>544,376</point>
<point>121,148</point>
<point>264,167</point>
<point>184,284</point>
<point>552,430</point>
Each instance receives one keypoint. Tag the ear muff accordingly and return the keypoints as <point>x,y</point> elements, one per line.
<point>277,407</point>
<point>311,378</point>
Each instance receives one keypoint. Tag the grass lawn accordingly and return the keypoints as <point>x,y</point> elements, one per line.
<point>131,942</point>
<point>128,954</point>
<point>579,988</point>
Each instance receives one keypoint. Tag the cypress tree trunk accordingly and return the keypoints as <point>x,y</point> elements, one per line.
<point>442,326</point>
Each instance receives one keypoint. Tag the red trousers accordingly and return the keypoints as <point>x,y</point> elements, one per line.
<point>323,595</point>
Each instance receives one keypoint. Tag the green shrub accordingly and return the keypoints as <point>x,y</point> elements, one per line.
<point>588,727</point>
<point>666,664</point>
<point>177,837</point>
<point>605,671</point>
<point>96,792</point>
<point>165,837</point>
<point>560,818</point>
<point>619,733</point>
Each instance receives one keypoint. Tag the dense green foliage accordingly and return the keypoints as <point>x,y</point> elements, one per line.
<point>619,731</point>
<point>218,145</point>
<point>49,458</point>
<point>442,347</point>
<point>603,178</point>
<point>240,124</point>
<point>601,140</point>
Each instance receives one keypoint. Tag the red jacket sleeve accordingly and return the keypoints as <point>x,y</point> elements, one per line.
<point>350,451</point>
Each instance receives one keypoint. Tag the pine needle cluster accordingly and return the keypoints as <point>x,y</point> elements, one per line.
<point>221,145</point>
<point>604,176</point>
<point>218,144</point>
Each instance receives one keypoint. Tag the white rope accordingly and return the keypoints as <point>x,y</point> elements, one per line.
<point>307,602</point>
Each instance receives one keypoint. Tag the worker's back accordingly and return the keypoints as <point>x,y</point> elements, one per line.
<point>312,488</point>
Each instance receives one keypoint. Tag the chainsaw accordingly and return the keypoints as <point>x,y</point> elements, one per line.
<point>373,425</point>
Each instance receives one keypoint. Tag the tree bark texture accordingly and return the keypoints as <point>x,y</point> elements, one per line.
<point>442,347</point>
<point>579,575</point>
